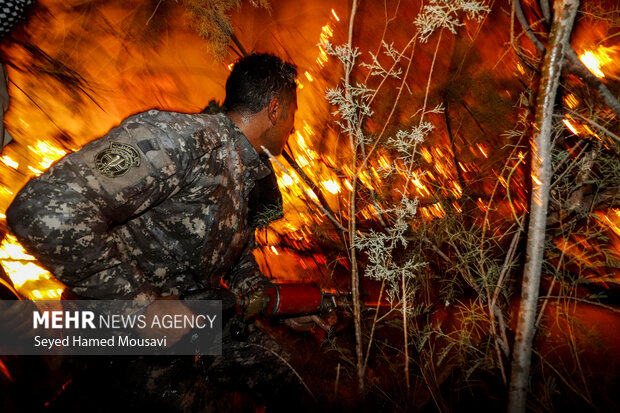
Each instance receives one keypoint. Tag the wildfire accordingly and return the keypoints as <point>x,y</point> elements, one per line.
<point>441,172</point>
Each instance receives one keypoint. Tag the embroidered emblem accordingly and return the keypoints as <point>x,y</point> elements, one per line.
<point>117,159</point>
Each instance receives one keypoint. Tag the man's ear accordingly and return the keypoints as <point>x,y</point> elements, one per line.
<point>274,109</point>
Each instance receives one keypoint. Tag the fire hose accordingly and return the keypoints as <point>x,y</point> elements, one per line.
<point>284,301</point>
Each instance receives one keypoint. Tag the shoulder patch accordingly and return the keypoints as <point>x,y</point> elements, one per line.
<point>117,159</point>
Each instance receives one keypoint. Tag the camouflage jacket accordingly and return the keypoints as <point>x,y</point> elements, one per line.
<point>158,205</point>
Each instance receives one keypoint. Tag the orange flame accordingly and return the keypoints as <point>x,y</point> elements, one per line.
<point>597,59</point>
<point>29,279</point>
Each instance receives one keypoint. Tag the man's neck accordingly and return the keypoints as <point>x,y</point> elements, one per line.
<point>252,125</point>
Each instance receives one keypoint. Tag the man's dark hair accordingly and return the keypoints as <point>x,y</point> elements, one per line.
<point>255,80</point>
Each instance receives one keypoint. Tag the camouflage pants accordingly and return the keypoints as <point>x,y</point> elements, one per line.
<point>249,373</point>
<point>254,361</point>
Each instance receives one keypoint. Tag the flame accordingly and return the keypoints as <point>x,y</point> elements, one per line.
<point>24,272</point>
<point>610,219</point>
<point>11,249</point>
<point>571,101</point>
<point>332,186</point>
<point>570,126</point>
<point>35,171</point>
<point>9,162</point>
<point>48,153</point>
<point>596,59</point>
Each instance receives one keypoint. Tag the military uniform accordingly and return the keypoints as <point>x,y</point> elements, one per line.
<point>160,205</point>
<point>157,206</point>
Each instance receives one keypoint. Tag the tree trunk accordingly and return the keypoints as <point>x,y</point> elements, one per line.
<point>565,12</point>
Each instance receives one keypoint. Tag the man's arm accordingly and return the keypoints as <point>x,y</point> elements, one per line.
<point>67,216</point>
<point>246,276</point>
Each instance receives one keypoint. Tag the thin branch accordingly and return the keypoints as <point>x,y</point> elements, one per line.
<point>546,10</point>
<point>430,75</point>
<point>235,40</point>
<point>526,26</point>
<point>400,90</point>
<point>582,300</point>
<point>374,324</point>
<point>509,256</point>
<point>352,221</point>
<point>153,14</point>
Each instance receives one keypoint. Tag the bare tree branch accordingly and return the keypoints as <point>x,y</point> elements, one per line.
<point>526,26</point>
<point>546,10</point>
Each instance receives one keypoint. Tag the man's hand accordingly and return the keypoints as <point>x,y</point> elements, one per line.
<point>255,303</point>
<point>165,306</point>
